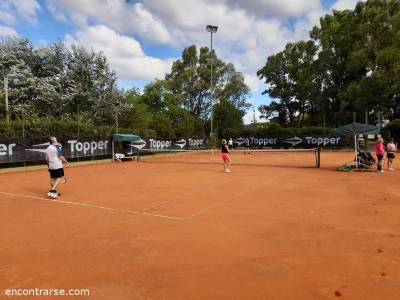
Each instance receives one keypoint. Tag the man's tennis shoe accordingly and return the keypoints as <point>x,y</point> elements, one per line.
<point>52,194</point>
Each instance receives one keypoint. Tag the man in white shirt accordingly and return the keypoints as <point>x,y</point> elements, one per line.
<point>55,161</point>
<point>230,144</point>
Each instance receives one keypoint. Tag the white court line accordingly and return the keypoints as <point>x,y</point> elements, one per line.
<point>95,206</point>
<point>184,197</point>
<point>232,198</point>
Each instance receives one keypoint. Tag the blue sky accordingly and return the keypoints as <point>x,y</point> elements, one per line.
<point>141,39</point>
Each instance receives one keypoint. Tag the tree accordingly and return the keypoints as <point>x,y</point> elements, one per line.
<point>351,64</point>
<point>53,81</point>
<point>227,116</point>
<point>59,82</point>
<point>139,114</point>
<point>292,76</point>
<point>93,85</point>
<point>167,114</point>
<point>190,80</point>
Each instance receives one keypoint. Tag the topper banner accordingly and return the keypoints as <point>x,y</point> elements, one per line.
<point>304,141</point>
<point>31,150</point>
<point>164,144</point>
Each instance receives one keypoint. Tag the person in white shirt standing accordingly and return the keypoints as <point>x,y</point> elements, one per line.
<point>390,154</point>
<point>55,161</point>
<point>230,144</point>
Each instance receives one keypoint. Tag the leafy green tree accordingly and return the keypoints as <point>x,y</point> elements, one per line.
<point>227,117</point>
<point>93,85</point>
<point>190,80</point>
<point>138,115</point>
<point>337,36</point>
<point>53,81</point>
<point>162,125</point>
<point>156,96</point>
<point>164,106</point>
<point>351,64</point>
<point>292,76</point>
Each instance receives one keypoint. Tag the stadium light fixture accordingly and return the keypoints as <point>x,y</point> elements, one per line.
<point>212,29</point>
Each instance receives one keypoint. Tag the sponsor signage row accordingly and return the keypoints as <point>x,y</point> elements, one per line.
<point>30,150</point>
<point>306,141</point>
<point>155,144</point>
<point>20,150</point>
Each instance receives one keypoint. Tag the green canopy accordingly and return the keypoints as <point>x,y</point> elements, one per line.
<point>355,129</point>
<point>126,138</point>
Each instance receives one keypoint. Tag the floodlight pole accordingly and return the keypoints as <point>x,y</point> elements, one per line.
<point>212,90</point>
<point>6,98</point>
<point>116,112</point>
<point>212,29</point>
<point>116,120</point>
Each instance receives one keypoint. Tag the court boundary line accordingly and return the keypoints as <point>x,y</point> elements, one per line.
<point>138,212</point>
<point>121,210</point>
<point>201,211</point>
<point>184,197</point>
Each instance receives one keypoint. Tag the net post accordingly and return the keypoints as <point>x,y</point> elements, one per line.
<point>137,154</point>
<point>318,157</point>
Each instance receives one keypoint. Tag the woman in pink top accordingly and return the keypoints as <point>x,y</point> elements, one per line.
<point>390,150</point>
<point>380,152</point>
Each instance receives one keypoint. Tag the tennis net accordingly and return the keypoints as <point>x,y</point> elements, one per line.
<point>300,158</point>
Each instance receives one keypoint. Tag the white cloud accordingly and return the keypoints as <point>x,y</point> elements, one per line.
<point>245,36</point>
<point>27,8</point>
<point>124,53</point>
<point>7,31</point>
<point>276,9</point>
<point>23,10</point>
<point>6,17</point>
<point>255,84</point>
<point>249,30</point>
<point>345,4</point>
<point>119,15</point>
<point>57,13</point>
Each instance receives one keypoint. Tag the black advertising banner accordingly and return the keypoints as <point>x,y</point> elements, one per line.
<point>156,144</point>
<point>303,141</point>
<point>29,150</point>
<point>32,150</point>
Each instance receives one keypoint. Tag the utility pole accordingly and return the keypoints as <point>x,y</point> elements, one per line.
<point>212,29</point>
<point>6,98</point>
<point>254,118</point>
<point>116,112</point>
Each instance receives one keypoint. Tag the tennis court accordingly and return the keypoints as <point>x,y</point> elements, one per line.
<point>173,228</point>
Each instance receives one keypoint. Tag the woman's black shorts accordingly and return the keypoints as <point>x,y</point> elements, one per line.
<point>57,173</point>
<point>391,155</point>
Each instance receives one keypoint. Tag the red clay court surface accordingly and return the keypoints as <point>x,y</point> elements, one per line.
<point>187,231</point>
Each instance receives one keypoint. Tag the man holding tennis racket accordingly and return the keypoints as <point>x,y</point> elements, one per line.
<point>55,161</point>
